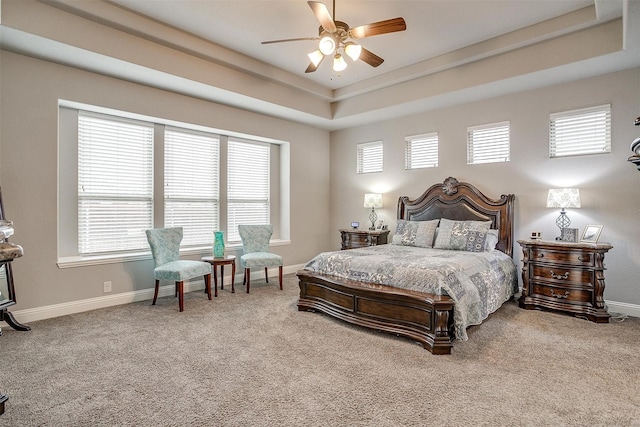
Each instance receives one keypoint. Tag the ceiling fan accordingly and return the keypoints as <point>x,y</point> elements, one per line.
<point>336,37</point>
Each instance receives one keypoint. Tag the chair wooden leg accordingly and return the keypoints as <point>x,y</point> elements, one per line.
<point>233,278</point>
<point>155,293</point>
<point>207,285</point>
<point>247,274</point>
<point>180,286</point>
<point>280,276</point>
<point>266,276</point>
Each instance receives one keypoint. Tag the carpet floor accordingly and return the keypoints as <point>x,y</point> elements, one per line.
<point>254,360</point>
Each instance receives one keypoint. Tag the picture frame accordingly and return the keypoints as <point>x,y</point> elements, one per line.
<point>355,224</point>
<point>569,235</point>
<point>591,233</point>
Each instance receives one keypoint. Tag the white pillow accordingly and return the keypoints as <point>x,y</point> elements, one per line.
<point>492,240</point>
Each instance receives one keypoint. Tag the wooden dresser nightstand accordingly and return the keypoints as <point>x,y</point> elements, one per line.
<point>564,276</point>
<point>355,238</point>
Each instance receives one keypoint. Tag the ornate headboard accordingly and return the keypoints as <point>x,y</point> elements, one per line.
<point>462,201</point>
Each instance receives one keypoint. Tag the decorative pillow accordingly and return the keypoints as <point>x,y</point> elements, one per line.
<point>462,235</point>
<point>415,233</point>
<point>491,241</point>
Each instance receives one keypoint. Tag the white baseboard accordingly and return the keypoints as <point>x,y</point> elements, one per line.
<point>632,310</point>
<point>47,312</point>
<point>50,311</point>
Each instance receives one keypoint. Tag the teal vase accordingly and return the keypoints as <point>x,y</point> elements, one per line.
<point>218,244</point>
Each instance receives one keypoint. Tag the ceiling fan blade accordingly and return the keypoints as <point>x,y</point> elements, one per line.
<point>311,68</point>
<point>370,58</point>
<point>291,40</point>
<point>377,28</point>
<point>323,15</point>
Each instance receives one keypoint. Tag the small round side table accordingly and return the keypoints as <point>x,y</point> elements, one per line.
<point>222,261</point>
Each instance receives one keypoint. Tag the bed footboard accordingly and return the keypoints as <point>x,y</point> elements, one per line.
<point>426,318</point>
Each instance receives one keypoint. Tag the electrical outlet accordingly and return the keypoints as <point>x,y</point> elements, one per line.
<point>107,286</point>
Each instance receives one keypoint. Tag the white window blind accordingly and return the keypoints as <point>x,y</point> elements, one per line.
<point>247,185</point>
<point>421,151</point>
<point>370,156</point>
<point>191,190</point>
<point>583,131</point>
<point>488,143</point>
<point>115,184</point>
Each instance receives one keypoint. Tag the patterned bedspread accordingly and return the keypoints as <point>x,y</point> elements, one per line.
<point>478,282</point>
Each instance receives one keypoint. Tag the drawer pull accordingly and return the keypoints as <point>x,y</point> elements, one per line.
<point>583,258</point>
<point>540,255</point>
<point>558,276</point>
<point>565,295</point>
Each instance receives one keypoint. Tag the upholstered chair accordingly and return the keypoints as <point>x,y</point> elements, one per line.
<point>165,248</point>
<point>255,251</point>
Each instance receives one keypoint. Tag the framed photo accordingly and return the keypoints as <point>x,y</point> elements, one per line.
<point>569,235</point>
<point>355,224</point>
<point>591,234</point>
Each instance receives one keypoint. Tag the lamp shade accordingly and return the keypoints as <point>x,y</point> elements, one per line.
<point>316,57</point>
<point>353,50</point>
<point>563,198</point>
<point>327,45</point>
<point>339,64</point>
<point>373,200</point>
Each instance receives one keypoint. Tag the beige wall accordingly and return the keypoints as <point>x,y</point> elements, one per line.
<point>29,96</point>
<point>609,185</point>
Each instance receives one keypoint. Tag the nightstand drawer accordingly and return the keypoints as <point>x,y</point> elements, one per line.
<point>562,274</point>
<point>562,257</point>
<point>355,238</point>
<point>562,294</point>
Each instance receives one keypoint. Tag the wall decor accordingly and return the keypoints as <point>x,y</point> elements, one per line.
<point>569,235</point>
<point>591,234</point>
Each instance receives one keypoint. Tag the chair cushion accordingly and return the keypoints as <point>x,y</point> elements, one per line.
<point>255,237</point>
<point>178,271</point>
<point>260,259</point>
<point>165,244</point>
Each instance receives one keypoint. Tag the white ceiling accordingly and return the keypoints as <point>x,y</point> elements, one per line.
<point>434,27</point>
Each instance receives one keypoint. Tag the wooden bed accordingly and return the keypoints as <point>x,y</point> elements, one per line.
<point>424,317</point>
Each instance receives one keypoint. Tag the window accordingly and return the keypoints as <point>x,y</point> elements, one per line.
<point>248,185</point>
<point>191,190</point>
<point>121,173</point>
<point>421,151</point>
<point>488,143</point>
<point>115,183</point>
<point>577,132</point>
<point>370,157</point>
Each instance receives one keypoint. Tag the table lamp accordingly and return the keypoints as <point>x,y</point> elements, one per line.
<point>563,198</point>
<point>373,201</point>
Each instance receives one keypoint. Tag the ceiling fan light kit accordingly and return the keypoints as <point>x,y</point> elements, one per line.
<point>327,45</point>
<point>353,50</point>
<point>335,38</point>
<point>339,64</point>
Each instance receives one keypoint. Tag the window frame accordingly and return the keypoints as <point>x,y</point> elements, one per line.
<point>206,178</point>
<point>495,142</point>
<point>377,161</point>
<point>118,208</point>
<point>575,126</point>
<point>423,142</point>
<point>67,249</point>
<point>261,197</point>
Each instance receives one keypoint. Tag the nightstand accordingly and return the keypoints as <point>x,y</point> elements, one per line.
<point>355,238</point>
<point>564,276</point>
